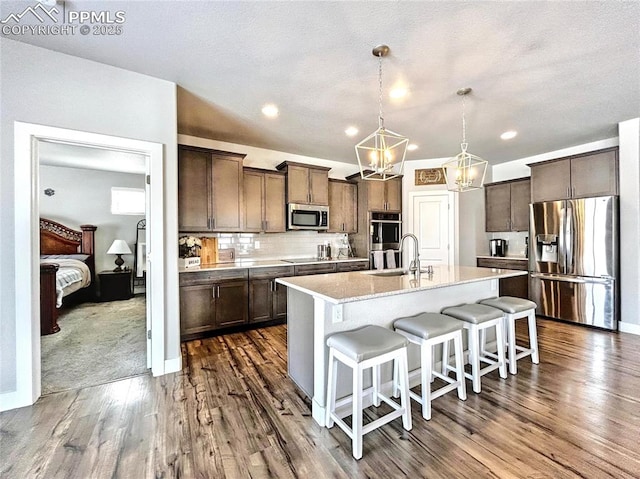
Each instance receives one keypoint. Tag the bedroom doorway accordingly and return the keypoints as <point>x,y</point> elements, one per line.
<point>102,334</point>
<point>28,138</point>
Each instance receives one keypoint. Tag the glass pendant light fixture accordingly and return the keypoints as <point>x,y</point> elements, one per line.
<point>465,171</point>
<point>381,154</point>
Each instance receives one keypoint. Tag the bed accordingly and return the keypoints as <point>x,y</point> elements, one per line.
<point>67,269</point>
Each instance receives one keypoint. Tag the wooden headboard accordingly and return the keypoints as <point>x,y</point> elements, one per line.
<point>59,239</point>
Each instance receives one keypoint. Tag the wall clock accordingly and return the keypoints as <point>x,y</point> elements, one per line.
<point>430,176</point>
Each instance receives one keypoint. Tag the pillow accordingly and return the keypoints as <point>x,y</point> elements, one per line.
<point>79,257</point>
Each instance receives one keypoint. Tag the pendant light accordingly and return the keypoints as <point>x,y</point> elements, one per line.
<point>465,171</point>
<point>381,154</point>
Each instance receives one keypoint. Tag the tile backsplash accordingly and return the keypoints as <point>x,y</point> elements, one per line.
<point>293,244</point>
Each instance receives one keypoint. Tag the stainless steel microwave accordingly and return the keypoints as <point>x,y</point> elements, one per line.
<point>307,217</point>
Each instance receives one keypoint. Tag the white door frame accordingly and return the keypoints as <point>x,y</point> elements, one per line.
<point>453,225</point>
<point>27,241</point>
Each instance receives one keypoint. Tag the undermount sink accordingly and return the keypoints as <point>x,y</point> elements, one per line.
<point>392,272</point>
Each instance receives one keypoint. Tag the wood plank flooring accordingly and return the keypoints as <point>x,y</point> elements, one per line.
<point>233,413</point>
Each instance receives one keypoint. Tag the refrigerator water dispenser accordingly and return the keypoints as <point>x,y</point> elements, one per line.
<point>547,246</point>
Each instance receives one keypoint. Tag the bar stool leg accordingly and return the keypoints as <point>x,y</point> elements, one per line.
<point>396,380</point>
<point>356,418</point>
<point>474,359</point>
<point>501,353</point>
<point>511,343</point>
<point>405,400</point>
<point>533,337</point>
<point>426,371</point>
<point>375,376</point>
<point>459,358</point>
<point>445,358</point>
<point>331,384</point>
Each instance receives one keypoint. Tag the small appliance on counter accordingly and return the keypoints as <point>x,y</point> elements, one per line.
<point>324,251</point>
<point>498,247</point>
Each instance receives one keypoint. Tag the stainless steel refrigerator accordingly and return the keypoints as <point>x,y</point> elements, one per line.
<point>573,260</point>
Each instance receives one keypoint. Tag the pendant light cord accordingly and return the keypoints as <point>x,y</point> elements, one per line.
<point>464,126</point>
<point>380,117</point>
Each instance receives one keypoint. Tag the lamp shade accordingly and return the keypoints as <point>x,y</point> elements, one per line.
<point>119,247</point>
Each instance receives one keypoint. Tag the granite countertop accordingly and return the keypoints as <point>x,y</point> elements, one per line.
<point>508,257</point>
<point>265,263</point>
<point>361,285</point>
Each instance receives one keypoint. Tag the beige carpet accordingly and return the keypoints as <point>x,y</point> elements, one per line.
<point>97,343</point>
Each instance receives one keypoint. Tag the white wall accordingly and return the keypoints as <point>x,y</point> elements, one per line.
<point>83,196</point>
<point>630,225</point>
<point>49,88</point>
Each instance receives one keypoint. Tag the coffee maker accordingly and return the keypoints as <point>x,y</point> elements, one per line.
<point>498,247</point>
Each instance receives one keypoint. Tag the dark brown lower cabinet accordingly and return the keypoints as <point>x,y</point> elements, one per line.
<point>517,286</point>
<point>267,299</point>
<point>211,300</point>
<point>346,266</point>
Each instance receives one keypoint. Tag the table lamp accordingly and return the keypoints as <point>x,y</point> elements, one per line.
<point>119,247</point>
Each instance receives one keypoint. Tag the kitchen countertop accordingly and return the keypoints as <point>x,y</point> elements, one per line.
<point>362,285</point>
<point>266,263</point>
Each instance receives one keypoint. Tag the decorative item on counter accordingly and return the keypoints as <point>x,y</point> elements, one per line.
<point>189,250</point>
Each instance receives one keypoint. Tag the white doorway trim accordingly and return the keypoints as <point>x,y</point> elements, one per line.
<point>453,229</point>
<point>27,268</point>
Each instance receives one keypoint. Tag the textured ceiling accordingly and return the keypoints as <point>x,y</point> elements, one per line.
<point>560,73</point>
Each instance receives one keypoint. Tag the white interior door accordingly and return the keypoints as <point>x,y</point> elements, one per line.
<point>432,222</point>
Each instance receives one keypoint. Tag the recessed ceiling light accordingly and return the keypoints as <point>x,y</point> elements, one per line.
<point>398,92</point>
<point>351,131</point>
<point>508,135</point>
<point>270,110</point>
<point>412,147</point>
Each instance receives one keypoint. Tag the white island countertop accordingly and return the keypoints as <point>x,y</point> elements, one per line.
<point>362,285</point>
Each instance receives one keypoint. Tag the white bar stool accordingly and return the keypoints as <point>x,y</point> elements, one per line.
<point>428,330</point>
<point>517,308</point>
<point>480,317</point>
<point>363,348</point>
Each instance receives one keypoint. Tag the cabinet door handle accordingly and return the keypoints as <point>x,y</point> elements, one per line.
<point>266,224</point>
<point>213,292</point>
<point>218,291</point>
<point>213,222</point>
<point>209,223</point>
<point>568,192</point>
<point>573,189</point>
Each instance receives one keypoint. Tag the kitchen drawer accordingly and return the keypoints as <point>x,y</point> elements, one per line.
<point>268,273</point>
<point>321,268</point>
<point>200,277</point>
<point>504,263</point>
<point>352,266</point>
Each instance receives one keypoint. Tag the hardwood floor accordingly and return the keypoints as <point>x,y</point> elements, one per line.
<point>232,412</point>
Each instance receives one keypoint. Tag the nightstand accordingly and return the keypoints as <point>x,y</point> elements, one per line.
<point>114,285</point>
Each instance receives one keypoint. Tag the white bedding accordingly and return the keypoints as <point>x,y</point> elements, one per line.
<point>71,276</point>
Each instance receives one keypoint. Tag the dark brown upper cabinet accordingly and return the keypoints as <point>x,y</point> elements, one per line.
<point>507,205</point>
<point>306,184</point>
<point>580,176</point>
<point>210,187</point>
<point>343,207</point>
<point>264,201</point>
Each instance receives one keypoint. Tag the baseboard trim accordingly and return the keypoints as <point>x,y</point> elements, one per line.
<point>173,365</point>
<point>629,328</point>
<point>12,400</point>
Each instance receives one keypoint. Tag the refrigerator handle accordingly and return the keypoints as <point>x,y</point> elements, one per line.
<point>562,258</point>
<point>569,240</point>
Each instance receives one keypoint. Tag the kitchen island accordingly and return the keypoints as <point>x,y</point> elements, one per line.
<point>320,305</point>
